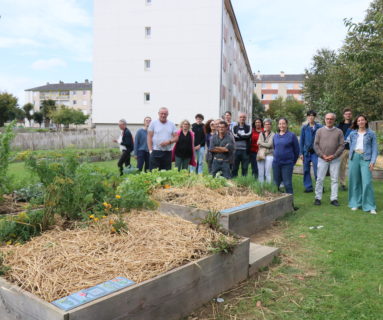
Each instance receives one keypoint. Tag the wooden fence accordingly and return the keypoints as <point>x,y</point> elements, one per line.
<point>377,126</point>
<point>60,140</point>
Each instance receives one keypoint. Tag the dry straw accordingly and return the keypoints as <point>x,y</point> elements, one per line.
<point>61,262</point>
<point>204,198</point>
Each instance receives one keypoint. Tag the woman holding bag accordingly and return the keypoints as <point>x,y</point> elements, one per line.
<point>265,152</point>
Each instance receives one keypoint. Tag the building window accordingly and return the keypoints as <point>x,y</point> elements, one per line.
<point>148,32</point>
<point>74,93</point>
<point>147,97</point>
<point>148,1</point>
<point>263,97</point>
<point>290,86</point>
<point>84,92</point>
<point>74,102</point>
<point>84,103</point>
<point>147,65</point>
<point>274,85</point>
<point>274,97</point>
<point>264,85</point>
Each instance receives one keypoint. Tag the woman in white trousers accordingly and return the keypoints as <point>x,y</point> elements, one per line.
<point>265,153</point>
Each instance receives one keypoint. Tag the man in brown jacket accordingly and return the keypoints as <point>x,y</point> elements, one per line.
<point>328,145</point>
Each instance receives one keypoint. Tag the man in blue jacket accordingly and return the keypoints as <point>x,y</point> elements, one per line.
<point>308,154</point>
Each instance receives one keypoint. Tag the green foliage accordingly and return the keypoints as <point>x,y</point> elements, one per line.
<point>289,108</point>
<point>47,108</point>
<point>256,186</point>
<point>212,220</point>
<point>351,77</point>
<point>223,245</point>
<point>119,226</point>
<point>258,109</point>
<point>3,268</point>
<point>8,104</point>
<point>66,116</point>
<point>28,107</point>
<point>5,153</point>
<point>31,193</point>
<point>22,227</point>
<point>38,117</point>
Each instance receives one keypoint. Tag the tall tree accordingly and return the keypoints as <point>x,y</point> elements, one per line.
<point>28,107</point>
<point>8,103</point>
<point>47,107</point>
<point>258,109</point>
<point>38,117</point>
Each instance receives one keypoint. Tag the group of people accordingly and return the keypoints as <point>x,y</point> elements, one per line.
<point>227,145</point>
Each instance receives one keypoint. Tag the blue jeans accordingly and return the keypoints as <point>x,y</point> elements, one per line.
<point>223,166</point>
<point>199,159</point>
<point>307,160</point>
<point>241,158</point>
<point>161,160</point>
<point>143,159</point>
<point>283,173</point>
<point>254,166</point>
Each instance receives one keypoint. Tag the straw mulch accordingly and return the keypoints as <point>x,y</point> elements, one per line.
<point>201,197</point>
<point>62,262</point>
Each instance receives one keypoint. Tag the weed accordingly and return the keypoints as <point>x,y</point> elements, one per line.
<point>223,245</point>
<point>212,220</point>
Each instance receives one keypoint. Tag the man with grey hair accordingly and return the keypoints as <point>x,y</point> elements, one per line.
<point>242,136</point>
<point>328,145</point>
<point>125,141</point>
<point>162,134</point>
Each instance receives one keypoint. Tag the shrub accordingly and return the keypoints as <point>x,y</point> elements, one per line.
<point>5,152</point>
<point>31,193</point>
<point>256,186</point>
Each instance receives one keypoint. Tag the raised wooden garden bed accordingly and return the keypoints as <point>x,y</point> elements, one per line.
<point>192,279</point>
<point>244,215</point>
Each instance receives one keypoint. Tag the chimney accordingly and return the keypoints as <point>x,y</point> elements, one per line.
<point>282,74</point>
<point>47,83</point>
<point>75,82</point>
<point>61,82</point>
<point>259,75</point>
<point>86,81</point>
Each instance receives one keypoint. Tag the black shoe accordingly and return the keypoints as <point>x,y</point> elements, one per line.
<point>309,190</point>
<point>343,188</point>
<point>335,203</point>
<point>317,202</point>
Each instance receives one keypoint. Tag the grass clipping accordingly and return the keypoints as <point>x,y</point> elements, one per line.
<point>201,197</point>
<point>60,263</point>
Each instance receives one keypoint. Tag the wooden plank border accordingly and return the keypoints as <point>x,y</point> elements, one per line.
<point>244,222</point>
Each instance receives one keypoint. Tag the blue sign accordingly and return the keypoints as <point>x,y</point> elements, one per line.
<point>87,295</point>
<point>241,207</point>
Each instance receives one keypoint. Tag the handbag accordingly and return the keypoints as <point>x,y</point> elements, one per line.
<point>261,155</point>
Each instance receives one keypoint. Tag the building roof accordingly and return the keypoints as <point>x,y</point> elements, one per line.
<point>234,20</point>
<point>279,77</point>
<point>61,86</point>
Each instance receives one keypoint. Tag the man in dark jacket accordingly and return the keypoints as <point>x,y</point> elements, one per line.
<point>344,126</point>
<point>125,141</point>
<point>308,154</point>
<point>242,136</point>
<point>199,142</point>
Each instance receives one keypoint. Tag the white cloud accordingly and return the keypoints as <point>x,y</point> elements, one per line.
<point>48,64</point>
<point>6,42</point>
<point>284,35</point>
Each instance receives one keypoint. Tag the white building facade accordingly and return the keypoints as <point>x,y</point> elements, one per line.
<point>187,56</point>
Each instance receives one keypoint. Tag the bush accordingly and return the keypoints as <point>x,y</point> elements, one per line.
<point>5,153</point>
<point>256,186</point>
<point>22,227</point>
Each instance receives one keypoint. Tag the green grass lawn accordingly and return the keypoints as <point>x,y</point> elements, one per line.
<point>331,273</point>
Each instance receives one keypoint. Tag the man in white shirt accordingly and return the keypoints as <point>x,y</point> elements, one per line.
<point>162,134</point>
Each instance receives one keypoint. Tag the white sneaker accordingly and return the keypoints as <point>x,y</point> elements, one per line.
<point>373,211</point>
<point>354,209</point>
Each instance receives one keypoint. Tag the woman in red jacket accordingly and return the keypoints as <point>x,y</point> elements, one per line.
<point>256,131</point>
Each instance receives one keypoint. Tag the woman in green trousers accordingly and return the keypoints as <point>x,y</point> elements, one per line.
<point>362,158</point>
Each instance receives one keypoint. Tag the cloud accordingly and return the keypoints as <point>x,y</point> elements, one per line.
<point>6,42</point>
<point>48,64</point>
<point>284,35</point>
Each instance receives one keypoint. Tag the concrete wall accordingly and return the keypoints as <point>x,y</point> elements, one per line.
<point>184,49</point>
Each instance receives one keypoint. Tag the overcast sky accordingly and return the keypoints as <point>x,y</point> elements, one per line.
<point>50,40</point>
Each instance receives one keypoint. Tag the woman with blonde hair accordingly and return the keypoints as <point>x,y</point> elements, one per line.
<point>183,151</point>
<point>265,152</point>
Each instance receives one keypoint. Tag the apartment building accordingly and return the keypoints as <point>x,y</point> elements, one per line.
<point>188,56</point>
<point>76,95</point>
<point>269,87</point>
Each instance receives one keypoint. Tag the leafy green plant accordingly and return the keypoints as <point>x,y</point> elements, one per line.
<point>22,227</point>
<point>212,220</point>
<point>119,226</point>
<point>256,186</point>
<point>33,192</point>
<point>3,268</point>
<point>5,152</point>
<point>223,245</point>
